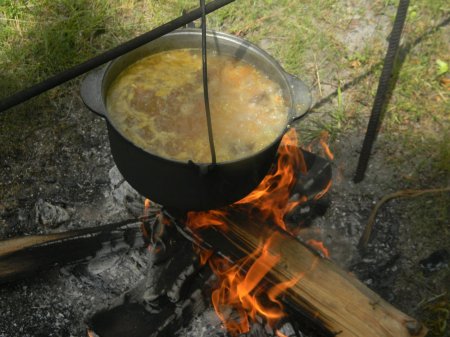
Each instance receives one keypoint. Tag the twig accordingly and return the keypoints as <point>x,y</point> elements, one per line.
<point>430,300</point>
<point>318,76</point>
<point>399,194</point>
<point>18,20</point>
<point>254,24</point>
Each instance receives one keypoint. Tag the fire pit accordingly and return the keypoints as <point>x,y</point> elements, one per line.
<point>165,289</point>
<point>161,232</point>
<point>101,267</point>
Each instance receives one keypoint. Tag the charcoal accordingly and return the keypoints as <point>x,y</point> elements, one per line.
<point>435,261</point>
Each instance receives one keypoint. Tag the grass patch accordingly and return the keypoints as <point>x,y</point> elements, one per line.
<point>39,38</point>
<point>42,38</point>
<point>436,317</point>
<point>426,157</point>
<point>420,97</point>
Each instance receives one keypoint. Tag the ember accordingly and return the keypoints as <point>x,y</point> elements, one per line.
<point>271,197</point>
<point>318,245</point>
<point>279,333</point>
<point>324,138</point>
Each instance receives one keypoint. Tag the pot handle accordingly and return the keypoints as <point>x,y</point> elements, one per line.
<point>301,96</point>
<point>91,91</point>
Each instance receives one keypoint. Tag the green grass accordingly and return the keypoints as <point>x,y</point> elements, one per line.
<point>437,317</point>
<point>41,38</point>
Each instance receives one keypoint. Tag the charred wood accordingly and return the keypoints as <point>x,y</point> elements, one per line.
<point>24,256</point>
<point>171,295</point>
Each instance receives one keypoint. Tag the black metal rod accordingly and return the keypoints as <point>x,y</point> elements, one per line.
<point>205,84</point>
<point>382,91</point>
<point>71,73</point>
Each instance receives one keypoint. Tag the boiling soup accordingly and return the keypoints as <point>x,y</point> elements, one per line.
<point>158,104</point>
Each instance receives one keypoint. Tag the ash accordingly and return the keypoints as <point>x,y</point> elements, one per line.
<point>63,178</point>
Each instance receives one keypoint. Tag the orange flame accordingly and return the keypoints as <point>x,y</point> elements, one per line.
<point>271,197</point>
<point>199,220</point>
<point>242,291</point>
<point>147,204</point>
<point>204,254</point>
<point>319,246</point>
<point>145,213</point>
<point>242,296</point>
<point>324,191</point>
<point>155,231</point>
<point>324,138</point>
<point>280,334</point>
<point>323,141</point>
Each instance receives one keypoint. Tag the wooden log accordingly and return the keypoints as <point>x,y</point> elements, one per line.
<point>24,256</point>
<point>325,293</point>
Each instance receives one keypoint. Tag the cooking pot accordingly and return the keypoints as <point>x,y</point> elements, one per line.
<point>187,185</point>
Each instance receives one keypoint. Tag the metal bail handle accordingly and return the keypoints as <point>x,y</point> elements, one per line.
<point>205,85</point>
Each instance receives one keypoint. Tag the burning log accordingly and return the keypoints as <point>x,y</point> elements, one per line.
<point>24,256</point>
<point>252,233</point>
<point>324,293</point>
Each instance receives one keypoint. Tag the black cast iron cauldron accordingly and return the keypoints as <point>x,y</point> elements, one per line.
<point>186,185</point>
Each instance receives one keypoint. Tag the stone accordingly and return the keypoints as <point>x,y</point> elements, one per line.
<point>50,215</point>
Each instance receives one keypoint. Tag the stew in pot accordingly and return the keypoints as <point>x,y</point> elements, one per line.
<point>157,103</point>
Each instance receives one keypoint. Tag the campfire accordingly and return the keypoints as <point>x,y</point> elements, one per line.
<point>262,274</point>
<point>240,286</point>
<point>244,260</point>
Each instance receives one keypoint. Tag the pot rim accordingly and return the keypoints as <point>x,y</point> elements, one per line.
<point>220,36</point>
